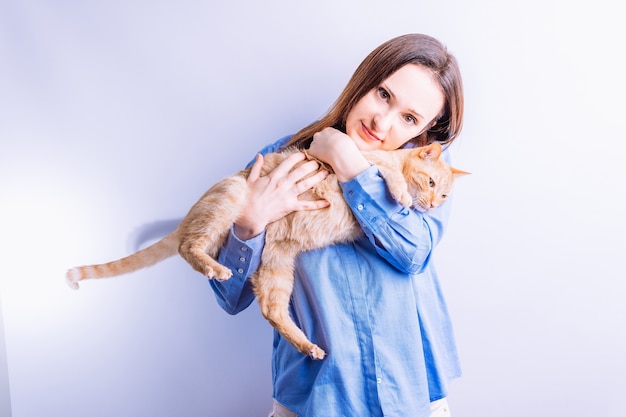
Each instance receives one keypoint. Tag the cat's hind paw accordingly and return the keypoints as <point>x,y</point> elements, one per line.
<point>71,278</point>
<point>219,273</point>
<point>316,353</point>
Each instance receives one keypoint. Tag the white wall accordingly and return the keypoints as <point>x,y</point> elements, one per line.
<point>116,114</point>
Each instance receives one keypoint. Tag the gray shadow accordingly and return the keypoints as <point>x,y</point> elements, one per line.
<point>151,232</point>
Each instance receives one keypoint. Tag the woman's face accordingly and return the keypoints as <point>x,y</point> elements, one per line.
<point>396,111</point>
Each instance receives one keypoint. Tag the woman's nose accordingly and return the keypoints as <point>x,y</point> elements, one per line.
<point>382,121</point>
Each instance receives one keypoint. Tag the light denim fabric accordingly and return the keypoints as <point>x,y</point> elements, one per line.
<point>375,306</point>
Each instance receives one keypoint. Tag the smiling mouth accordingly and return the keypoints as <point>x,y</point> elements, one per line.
<point>369,134</point>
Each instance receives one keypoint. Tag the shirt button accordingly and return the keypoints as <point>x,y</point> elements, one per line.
<point>359,207</point>
<point>379,380</point>
<point>240,270</point>
<point>243,249</point>
<point>242,259</point>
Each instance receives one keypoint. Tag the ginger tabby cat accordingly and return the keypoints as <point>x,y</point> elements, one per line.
<point>417,178</point>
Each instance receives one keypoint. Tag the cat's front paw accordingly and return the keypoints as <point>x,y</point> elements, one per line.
<point>402,196</point>
<point>406,200</point>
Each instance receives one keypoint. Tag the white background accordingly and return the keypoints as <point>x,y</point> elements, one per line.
<point>118,114</point>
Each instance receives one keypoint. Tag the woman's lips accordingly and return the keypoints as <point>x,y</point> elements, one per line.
<point>368,133</point>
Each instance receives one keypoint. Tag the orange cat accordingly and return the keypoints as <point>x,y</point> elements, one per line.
<point>417,178</point>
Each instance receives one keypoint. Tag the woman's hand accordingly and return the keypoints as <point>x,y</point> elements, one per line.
<point>339,151</point>
<point>275,195</point>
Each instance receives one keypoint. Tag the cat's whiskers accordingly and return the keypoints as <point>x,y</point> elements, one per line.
<point>419,205</point>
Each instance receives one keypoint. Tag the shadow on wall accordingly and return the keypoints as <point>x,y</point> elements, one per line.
<point>151,232</point>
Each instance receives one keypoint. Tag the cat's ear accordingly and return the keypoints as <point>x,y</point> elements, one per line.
<point>432,151</point>
<point>458,173</point>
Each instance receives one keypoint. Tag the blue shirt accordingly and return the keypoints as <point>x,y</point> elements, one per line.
<point>375,306</point>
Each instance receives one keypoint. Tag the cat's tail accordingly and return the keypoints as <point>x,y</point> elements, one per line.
<point>163,249</point>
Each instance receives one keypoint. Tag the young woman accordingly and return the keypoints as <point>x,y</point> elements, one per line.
<point>375,305</point>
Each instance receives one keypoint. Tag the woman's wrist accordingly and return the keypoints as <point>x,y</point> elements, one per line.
<point>246,231</point>
<point>348,161</point>
<point>347,170</point>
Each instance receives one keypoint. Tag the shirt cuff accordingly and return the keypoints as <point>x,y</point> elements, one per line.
<point>242,256</point>
<point>370,200</point>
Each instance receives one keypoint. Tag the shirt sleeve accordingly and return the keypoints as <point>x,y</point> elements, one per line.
<point>402,236</point>
<point>243,258</point>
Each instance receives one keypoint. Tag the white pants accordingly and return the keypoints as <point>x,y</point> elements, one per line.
<point>438,408</point>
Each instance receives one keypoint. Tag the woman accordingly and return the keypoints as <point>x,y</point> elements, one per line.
<point>375,305</point>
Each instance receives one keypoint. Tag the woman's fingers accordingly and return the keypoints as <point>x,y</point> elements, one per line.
<point>284,168</point>
<point>311,205</point>
<point>289,175</point>
<point>255,171</point>
<point>299,173</point>
<point>308,182</point>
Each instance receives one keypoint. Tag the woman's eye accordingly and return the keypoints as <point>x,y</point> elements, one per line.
<point>382,93</point>
<point>431,182</point>
<point>410,119</point>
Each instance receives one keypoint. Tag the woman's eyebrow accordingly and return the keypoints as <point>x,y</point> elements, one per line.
<point>410,110</point>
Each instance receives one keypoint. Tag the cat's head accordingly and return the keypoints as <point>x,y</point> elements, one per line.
<point>430,178</point>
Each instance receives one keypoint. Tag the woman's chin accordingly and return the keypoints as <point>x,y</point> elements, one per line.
<point>366,145</point>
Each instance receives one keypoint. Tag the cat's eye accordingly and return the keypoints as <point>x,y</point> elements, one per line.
<point>431,182</point>
<point>444,196</point>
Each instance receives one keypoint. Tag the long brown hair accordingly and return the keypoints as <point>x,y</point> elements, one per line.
<point>382,62</point>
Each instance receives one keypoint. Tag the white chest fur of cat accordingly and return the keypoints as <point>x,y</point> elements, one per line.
<point>417,178</point>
